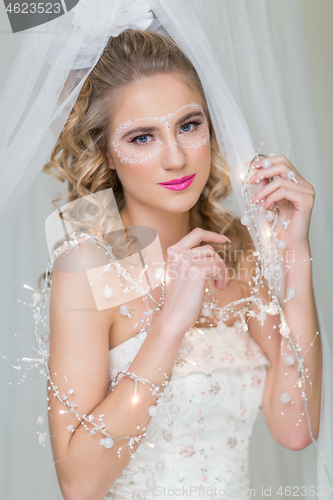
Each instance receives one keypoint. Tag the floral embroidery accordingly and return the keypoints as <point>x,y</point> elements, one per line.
<point>256,381</point>
<point>187,451</point>
<point>231,443</point>
<point>228,358</point>
<point>248,351</point>
<point>214,388</point>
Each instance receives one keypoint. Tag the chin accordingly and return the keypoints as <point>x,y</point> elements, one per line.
<point>181,204</point>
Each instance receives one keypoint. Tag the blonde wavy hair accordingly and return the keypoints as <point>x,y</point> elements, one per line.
<point>80,154</point>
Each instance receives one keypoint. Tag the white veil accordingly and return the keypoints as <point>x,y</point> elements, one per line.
<point>243,60</point>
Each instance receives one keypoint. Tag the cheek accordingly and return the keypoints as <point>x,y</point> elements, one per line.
<point>134,175</point>
<point>202,157</point>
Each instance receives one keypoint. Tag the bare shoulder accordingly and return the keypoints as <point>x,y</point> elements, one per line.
<point>79,348</point>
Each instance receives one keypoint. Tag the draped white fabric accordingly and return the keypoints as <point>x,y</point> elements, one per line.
<point>261,47</point>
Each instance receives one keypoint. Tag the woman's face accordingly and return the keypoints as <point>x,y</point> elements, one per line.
<point>159,144</point>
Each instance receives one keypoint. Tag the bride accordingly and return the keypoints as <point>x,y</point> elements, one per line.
<point>178,419</point>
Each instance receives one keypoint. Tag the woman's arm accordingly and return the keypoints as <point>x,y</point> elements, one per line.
<point>288,421</point>
<point>79,352</point>
<point>79,357</point>
<point>283,418</point>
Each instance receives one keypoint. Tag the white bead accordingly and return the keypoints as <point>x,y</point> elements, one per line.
<point>291,293</point>
<point>159,273</point>
<point>266,163</point>
<point>70,391</point>
<point>206,311</point>
<point>153,411</point>
<point>107,292</point>
<point>281,244</point>
<point>159,466</point>
<point>262,316</point>
<point>124,310</point>
<point>289,359</point>
<point>272,309</point>
<point>107,442</point>
<point>285,397</point>
<point>41,437</point>
<point>245,220</point>
<point>91,418</point>
<point>238,325</point>
<point>45,338</point>
<point>284,330</point>
<point>291,175</point>
<point>173,408</point>
<point>270,215</point>
<point>37,297</point>
<point>150,483</point>
<point>70,428</point>
<point>221,327</point>
<point>268,274</point>
<point>40,420</point>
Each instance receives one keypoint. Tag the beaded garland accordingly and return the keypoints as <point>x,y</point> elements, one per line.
<point>290,349</point>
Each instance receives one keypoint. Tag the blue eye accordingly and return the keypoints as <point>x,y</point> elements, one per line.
<point>189,126</point>
<point>186,127</point>
<point>141,139</point>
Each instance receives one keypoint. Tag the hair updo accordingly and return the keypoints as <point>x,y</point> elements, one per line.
<point>80,154</point>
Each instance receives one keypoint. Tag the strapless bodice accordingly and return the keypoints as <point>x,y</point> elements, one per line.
<point>198,442</point>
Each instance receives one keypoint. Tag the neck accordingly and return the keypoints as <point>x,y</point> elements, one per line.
<point>170,227</point>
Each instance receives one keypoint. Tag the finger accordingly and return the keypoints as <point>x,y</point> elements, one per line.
<point>279,169</point>
<point>196,236</point>
<point>203,253</point>
<point>216,270</point>
<point>296,197</point>
<point>276,184</point>
<point>275,160</point>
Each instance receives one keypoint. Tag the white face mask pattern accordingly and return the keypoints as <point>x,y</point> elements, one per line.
<point>129,149</point>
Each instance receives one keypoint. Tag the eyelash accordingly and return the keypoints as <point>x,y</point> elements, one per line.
<point>133,140</point>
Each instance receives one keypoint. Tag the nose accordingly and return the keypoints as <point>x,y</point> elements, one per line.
<point>173,156</point>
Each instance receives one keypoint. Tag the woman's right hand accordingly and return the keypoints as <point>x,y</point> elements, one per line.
<point>188,266</point>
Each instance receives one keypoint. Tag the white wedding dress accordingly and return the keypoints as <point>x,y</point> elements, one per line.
<point>197,445</point>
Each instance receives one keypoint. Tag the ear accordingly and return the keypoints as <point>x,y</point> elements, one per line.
<point>110,161</point>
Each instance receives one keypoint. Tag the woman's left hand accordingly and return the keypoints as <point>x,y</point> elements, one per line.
<point>294,200</point>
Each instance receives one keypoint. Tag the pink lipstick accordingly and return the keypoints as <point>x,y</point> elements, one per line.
<point>178,184</point>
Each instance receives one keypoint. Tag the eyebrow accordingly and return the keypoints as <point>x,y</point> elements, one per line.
<point>152,129</point>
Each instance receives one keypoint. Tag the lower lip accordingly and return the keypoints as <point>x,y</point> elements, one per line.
<point>180,186</point>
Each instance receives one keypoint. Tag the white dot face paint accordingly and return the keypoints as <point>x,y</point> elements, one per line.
<point>140,139</point>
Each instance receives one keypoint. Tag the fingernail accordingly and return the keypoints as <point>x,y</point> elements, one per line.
<point>219,284</point>
<point>250,178</point>
<point>222,235</point>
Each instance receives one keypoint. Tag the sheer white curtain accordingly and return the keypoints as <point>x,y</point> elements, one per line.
<point>272,86</point>
<point>262,47</point>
